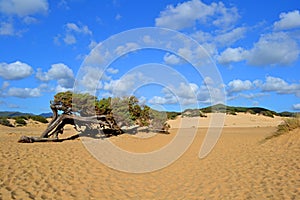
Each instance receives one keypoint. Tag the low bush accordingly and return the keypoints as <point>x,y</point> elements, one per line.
<point>5,122</point>
<point>39,119</point>
<point>267,113</point>
<point>20,122</point>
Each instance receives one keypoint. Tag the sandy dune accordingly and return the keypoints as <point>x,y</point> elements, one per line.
<point>239,167</point>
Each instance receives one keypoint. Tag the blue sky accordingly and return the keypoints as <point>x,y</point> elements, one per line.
<point>253,45</point>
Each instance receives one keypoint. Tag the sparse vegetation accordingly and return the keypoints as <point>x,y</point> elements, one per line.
<point>172,115</point>
<point>267,113</point>
<point>38,119</point>
<point>288,125</point>
<point>5,122</point>
<point>20,121</point>
<point>193,113</point>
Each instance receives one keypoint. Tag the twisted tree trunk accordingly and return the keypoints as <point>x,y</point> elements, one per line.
<point>56,126</point>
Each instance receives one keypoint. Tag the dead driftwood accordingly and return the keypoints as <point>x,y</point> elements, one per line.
<point>56,126</point>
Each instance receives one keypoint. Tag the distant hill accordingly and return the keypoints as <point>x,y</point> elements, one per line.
<point>13,114</point>
<point>46,115</point>
<point>235,109</point>
<point>18,114</point>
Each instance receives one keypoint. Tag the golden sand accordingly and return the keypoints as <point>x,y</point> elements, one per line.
<point>240,166</point>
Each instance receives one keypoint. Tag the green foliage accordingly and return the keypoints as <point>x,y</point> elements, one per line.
<point>172,115</point>
<point>84,104</point>
<point>158,119</point>
<point>39,119</point>
<point>126,111</point>
<point>267,113</point>
<point>231,112</point>
<point>20,121</point>
<point>5,122</point>
<point>287,114</point>
<point>251,112</point>
<point>193,113</point>
<point>103,106</point>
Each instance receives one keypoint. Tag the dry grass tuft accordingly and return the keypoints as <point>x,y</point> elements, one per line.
<point>287,126</point>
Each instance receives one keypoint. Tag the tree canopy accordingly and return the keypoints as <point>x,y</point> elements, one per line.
<point>126,111</point>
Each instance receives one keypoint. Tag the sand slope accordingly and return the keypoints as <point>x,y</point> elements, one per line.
<point>239,167</point>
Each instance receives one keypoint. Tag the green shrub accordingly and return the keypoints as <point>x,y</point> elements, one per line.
<point>172,115</point>
<point>20,122</point>
<point>5,122</point>
<point>39,119</point>
<point>267,113</point>
<point>252,112</point>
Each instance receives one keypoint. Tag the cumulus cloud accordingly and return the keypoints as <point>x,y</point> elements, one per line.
<point>190,94</point>
<point>59,72</point>
<point>239,85</point>
<point>23,8</point>
<point>15,71</point>
<point>187,14</point>
<point>70,39</point>
<point>230,37</point>
<point>274,49</point>
<point>24,92</point>
<point>288,20</point>
<point>72,27</point>
<point>125,85</point>
<point>112,70</point>
<point>130,46</point>
<point>296,106</point>
<point>91,79</point>
<point>71,32</point>
<point>271,49</point>
<point>157,100</point>
<point>7,28</point>
<point>278,85</point>
<point>171,59</point>
<point>232,55</point>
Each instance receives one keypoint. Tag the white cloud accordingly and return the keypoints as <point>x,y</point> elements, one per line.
<point>288,20</point>
<point>296,106</point>
<point>274,49</point>
<point>157,100</point>
<point>59,72</point>
<point>7,28</point>
<point>71,32</point>
<point>239,85</point>
<point>91,79</point>
<point>92,44</point>
<point>230,37</point>
<point>4,86</point>
<point>24,92</point>
<point>202,36</point>
<point>72,27</point>
<point>278,85</point>
<point>148,40</point>
<point>29,20</point>
<point>186,14</point>
<point>224,17</point>
<point>271,49</point>
<point>112,70</point>
<point>130,46</point>
<point>171,59</point>
<point>23,8</point>
<point>232,55</point>
<point>15,71</point>
<point>125,85</point>
<point>118,17</point>
<point>70,39</point>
